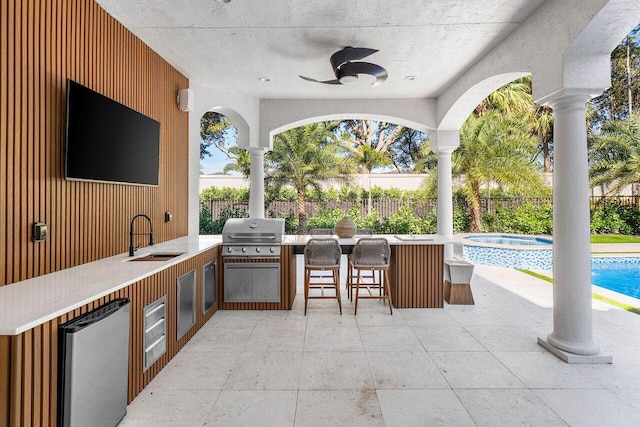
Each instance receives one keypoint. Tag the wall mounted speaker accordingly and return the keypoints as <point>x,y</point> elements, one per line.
<point>185,100</point>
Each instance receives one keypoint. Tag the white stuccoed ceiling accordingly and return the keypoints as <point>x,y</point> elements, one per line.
<point>230,46</point>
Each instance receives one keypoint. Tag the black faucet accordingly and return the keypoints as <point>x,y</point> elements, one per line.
<point>131,233</point>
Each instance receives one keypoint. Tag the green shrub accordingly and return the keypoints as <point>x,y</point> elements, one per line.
<point>526,219</point>
<point>206,224</point>
<point>370,221</point>
<point>461,221</point>
<point>225,193</point>
<point>607,218</point>
<point>326,218</point>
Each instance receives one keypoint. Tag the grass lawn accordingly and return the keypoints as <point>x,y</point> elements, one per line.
<point>599,238</point>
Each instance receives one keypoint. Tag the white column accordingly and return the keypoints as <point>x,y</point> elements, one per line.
<point>256,183</point>
<point>572,323</point>
<point>445,199</point>
<point>444,143</point>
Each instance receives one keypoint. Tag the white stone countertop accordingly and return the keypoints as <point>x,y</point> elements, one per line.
<point>394,239</point>
<point>32,302</point>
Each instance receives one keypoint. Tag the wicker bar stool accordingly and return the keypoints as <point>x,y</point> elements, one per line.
<point>371,254</point>
<point>351,273</point>
<point>322,255</point>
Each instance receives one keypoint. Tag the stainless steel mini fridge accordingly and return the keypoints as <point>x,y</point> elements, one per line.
<point>93,369</point>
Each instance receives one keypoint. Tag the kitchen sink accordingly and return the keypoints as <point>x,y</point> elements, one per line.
<point>158,256</point>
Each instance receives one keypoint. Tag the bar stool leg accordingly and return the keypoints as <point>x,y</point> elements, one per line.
<point>349,282</point>
<point>336,278</point>
<point>355,311</point>
<point>387,289</point>
<point>307,278</point>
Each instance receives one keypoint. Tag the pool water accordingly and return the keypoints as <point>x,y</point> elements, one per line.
<point>510,240</point>
<point>617,274</point>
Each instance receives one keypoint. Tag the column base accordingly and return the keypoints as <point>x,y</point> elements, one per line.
<point>572,358</point>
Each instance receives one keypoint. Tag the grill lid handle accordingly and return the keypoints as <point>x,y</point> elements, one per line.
<point>253,237</point>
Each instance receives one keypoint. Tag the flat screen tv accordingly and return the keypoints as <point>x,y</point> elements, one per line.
<point>107,141</point>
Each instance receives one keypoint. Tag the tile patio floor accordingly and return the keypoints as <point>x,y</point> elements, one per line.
<point>460,366</point>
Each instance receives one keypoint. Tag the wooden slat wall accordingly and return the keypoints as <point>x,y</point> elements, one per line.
<point>416,274</point>
<point>42,43</point>
<point>287,285</point>
<point>29,361</point>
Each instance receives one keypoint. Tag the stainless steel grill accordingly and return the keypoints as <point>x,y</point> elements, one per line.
<point>252,237</point>
<point>251,251</point>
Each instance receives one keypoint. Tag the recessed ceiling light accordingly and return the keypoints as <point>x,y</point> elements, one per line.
<point>224,1</point>
<point>410,77</point>
<point>264,79</point>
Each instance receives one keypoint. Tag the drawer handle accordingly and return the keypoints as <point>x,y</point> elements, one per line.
<point>159,307</point>
<point>155,343</point>
<point>153,326</point>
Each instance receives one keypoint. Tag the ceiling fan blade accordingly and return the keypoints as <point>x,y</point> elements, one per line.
<point>354,68</point>
<point>350,54</point>
<point>327,82</point>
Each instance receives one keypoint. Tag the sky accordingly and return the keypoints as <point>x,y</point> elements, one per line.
<point>213,163</point>
<point>217,160</point>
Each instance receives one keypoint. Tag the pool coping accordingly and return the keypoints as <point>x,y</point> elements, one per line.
<point>462,239</point>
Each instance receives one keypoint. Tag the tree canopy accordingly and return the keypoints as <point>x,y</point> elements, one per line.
<point>303,157</point>
<point>623,97</point>
<point>615,154</point>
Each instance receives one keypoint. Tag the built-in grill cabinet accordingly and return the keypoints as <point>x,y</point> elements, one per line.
<point>251,258</point>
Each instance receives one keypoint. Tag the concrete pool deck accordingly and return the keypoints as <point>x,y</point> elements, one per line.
<point>632,249</point>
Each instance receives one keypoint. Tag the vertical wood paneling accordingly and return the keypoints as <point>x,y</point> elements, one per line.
<point>5,376</point>
<point>42,43</point>
<point>416,273</point>
<point>29,360</point>
<point>4,140</point>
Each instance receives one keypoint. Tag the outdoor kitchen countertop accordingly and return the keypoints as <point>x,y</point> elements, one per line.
<point>394,239</point>
<point>29,303</point>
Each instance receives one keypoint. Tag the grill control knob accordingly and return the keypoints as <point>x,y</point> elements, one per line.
<point>229,249</point>
<point>257,249</point>
<point>244,249</point>
<point>272,249</point>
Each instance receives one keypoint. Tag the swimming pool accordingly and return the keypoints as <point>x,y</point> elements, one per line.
<point>510,240</point>
<point>508,250</point>
<point>619,274</point>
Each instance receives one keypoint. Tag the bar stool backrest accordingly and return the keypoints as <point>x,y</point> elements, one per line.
<point>371,252</point>
<point>321,232</point>
<point>322,252</point>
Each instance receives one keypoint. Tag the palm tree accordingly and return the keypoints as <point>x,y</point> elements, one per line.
<point>495,148</point>
<point>303,157</point>
<point>615,154</point>
<point>512,98</point>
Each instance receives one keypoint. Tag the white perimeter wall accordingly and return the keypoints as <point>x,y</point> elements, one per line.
<point>400,181</point>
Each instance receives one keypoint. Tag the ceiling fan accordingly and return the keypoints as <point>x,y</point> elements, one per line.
<point>346,66</point>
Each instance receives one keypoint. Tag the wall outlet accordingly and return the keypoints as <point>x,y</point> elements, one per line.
<point>39,232</point>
